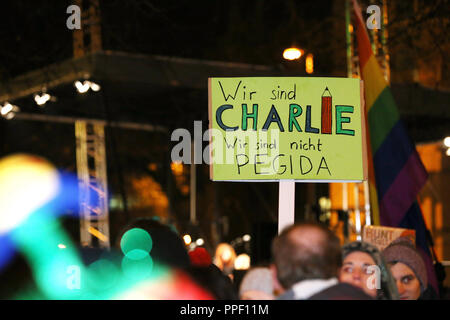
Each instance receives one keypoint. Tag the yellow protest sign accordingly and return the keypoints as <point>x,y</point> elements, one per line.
<point>306,129</point>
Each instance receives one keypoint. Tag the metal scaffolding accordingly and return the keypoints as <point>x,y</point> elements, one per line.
<point>91,155</point>
<point>93,184</point>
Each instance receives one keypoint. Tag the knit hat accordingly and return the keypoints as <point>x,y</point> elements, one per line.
<point>200,257</point>
<point>258,279</point>
<point>403,250</point>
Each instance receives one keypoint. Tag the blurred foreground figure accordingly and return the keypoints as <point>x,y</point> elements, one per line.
<point>307,259</point>
<point>34,196</point>
<point>408,269</point>
<point>166,246</point>
<point>257,284</point>
<point>212,279</point>
<point>364,267</point>
<point>207,275</point>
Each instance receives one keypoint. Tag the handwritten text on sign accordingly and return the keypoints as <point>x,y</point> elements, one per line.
<point>286,128</point>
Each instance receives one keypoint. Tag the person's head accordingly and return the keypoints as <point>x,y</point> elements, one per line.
<point>407,268</point>
<point>257,285</point>
<point>167,247</point>
<point>364,267</point>
<point>305,251</point>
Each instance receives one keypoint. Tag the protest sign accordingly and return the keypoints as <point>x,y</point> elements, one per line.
<point>286,128</point>
<point>381,236</point>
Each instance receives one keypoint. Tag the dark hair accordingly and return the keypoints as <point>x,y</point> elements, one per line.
<point>168,248</point>
<point>296,261</point>
<point>212,279</point>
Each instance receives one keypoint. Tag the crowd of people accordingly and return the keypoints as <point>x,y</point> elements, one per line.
<point>308,263</point>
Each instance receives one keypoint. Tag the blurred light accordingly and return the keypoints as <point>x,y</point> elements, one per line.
<point>61,246</point>
<point>102,275</point>
<point>24,177</point>
<point>82,87</point>
<point>292,53</point>
<point>309,63</point>
<point>136,243</point>
<point>187,239</point>
<point>10,116</point>
<point>242,262</point>
<point>200,242</point>
<point>137,269</point>
<point>41,100</point>
<point>225,252</point>
<point>94,87</point>
<point>448,152</point>
<point>6,250</point>
<point>246,237</point>
<point>325,203</point>
<point>86,85</point>
<point>177,167</point>
<point>226,255</point>
<point>350,28</point>
<point>447,142</point>
<point>8,110</point>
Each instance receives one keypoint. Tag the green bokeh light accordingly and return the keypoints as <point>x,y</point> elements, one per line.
<point>102,275</point>
<point>137,270</point>
<point>136,239</point>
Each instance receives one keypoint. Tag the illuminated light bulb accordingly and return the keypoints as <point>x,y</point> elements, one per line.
<point>6,109</point>
<point>187,239</point>
<point>448,152</point>
<point>61,246</point>
<point>292,53</point>
<point>82,87</point>
<point>41,100</point>
<point>242,262</point>
<point>246,237</point>
<point>447,142</point>
<point>200,242</point>
<point>37,98</point>
<point>95,87</point>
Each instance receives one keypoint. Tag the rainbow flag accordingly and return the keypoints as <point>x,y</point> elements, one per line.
<point>396,173</point>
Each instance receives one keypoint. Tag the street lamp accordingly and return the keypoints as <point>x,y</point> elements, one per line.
<point>292,53</point>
